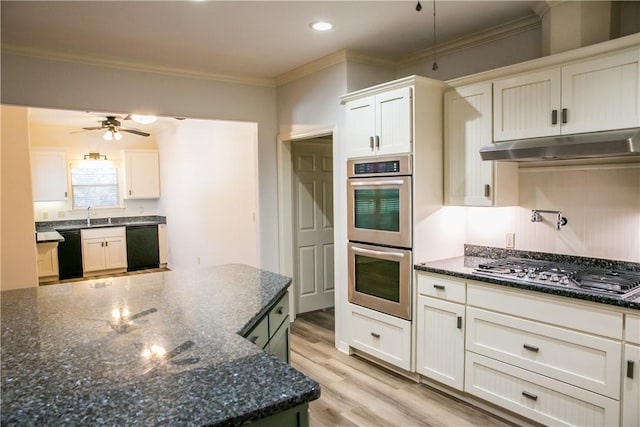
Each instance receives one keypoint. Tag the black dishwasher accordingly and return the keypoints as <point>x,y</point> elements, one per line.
<point>70,255</point>
<point>142,247</point>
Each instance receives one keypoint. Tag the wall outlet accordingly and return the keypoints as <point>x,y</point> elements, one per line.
<point>141,209</point>
<point>198,260</point>
<point>510,242</point>
<point>61,214</point>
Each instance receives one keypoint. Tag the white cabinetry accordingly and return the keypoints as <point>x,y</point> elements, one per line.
<point>162,244</point>
<point>49,175</point>
<point>142,174</point>
<point>104,249</point>
<point>470,181</point>
<point>385,337</point>
<point>553,361</point>
<point>631,372</point>
<point>440,330</point>
<point>47,261</point>
<point>587,96</point>
<point>380,124</point>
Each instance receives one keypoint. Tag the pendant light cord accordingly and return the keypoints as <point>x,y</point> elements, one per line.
<point>435,64</point>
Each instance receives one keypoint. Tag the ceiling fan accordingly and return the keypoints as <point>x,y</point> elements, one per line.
<point>113,128</point>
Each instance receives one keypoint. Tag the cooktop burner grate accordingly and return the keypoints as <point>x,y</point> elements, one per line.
<point>603,281</point>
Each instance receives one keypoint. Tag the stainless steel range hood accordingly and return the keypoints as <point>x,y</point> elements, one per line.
<point>613,143</point>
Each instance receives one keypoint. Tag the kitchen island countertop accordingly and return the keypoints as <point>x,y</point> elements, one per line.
<point>463,266</point>
<point>159,348</point>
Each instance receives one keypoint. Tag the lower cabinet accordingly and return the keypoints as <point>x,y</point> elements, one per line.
<point>440,341</point>
<point>47,261</point>
<point>104,249</point>
<point>271,333</point>
<point>297,416</point>
<point>631,372</point>
<point>385,337</point>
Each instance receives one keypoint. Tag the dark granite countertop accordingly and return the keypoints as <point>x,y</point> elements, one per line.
<point>79,224</point>
<point>462,267</point>
<point>87,353</point>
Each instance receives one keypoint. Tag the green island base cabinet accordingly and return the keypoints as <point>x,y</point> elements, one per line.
<point>271,333</point>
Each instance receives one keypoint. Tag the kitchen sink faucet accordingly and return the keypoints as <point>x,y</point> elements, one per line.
<point>89,216</point>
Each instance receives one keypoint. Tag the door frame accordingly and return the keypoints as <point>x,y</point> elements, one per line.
<point>286,234</point>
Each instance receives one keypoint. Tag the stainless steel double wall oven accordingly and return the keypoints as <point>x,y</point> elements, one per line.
<point>379,229</point>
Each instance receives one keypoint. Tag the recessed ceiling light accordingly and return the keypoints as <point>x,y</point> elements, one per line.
<point>321,25</point>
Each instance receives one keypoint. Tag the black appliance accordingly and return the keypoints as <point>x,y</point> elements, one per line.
<point>142,247</point>
<point>70,255</point>
<point>604,281</point>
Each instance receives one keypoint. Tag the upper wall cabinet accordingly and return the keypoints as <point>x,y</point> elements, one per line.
<point>380,124</point>
<point>587,96</point>
<point>468,180</point>
<point>49,175</point>
<point>142,174</point>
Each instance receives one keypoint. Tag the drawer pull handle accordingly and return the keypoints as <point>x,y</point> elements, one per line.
<point>459,322</point>
<point>441,287</point>
<point>554,117</point>
<point>630,369</point>
<point>280,310</point>
<point>377,142</point>
<point>531,348</point>
<point>373,334</point>
<point>564,116</point>
<point>253,339</point>
<point>529,395</point>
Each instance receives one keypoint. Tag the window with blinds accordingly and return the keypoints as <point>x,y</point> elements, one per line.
<point>95,184</point>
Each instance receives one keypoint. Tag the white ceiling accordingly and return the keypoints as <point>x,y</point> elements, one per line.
<point>259,39</point>
<point>242,39</point>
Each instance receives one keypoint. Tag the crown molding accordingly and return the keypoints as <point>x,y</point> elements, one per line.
<point>479,38</point>
<point>133,66</point>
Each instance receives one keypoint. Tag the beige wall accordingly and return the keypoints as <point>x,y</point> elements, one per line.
<point>17,245</point>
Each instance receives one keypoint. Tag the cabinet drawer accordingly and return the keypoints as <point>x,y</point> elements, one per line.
<point>439,287</point>
<point>566,312</point>
<point>632,328</point>
<point>259,335</point>
<point>580,359</point>
<point>386,337</point>
<point>278,314</point>
<point>537,397</point>
<point>102,233</point>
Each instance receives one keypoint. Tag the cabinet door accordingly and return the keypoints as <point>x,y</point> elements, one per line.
<point>602,94</point>
<point>440,330</point>
<point>47,259</point>
<point>142,175</point>
<point>360,123</point>
<point>631,386</point>
<point>115,253</point>
<point>467,118</point>
<point>394,121</point>
<point>279,343</point>
<point>92,255</point>
<point>524,106</point>
<point>49,174</point>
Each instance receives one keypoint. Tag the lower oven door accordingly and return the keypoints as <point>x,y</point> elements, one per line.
<point>380,279</point>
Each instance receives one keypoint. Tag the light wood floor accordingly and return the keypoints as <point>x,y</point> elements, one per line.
<point>355,392</point>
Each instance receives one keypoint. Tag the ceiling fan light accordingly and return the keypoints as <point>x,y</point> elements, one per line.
<point>321,25</point>
<point>108,136</point>
<point>117,135</point>
<point>143,119</point>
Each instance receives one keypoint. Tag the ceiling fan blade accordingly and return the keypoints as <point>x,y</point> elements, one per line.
<point>93,128</point>
<point>134,131</point>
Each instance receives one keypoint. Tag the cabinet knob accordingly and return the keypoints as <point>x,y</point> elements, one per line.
<point>440,287</point>
<point>564,116</point>
<point>280,310</point>
<point>375,335</point>
<point>532,348</point>
<point>371,143</point>
<point>487,190</point>
<point>554,117</point>
<point>459,322</point>
<point>129,192</point>
<point>377,142</point>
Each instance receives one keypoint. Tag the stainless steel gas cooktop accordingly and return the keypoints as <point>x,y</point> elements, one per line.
<point>619,283</point>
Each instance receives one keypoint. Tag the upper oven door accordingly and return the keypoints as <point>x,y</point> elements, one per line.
<point>379,210</point>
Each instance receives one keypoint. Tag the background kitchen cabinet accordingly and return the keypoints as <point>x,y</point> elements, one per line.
<point>380,124</point>
<point>586,96</point>
<point>162,244</point>
<point>470,181</point>
<point>49,174</point>
<point>142,174</point>
<point>440,330</point>
<point>104,249</point>
<point>631,372</point>
<point>47,261</point>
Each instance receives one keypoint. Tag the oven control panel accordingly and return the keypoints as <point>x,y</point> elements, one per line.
<point>379,166</point>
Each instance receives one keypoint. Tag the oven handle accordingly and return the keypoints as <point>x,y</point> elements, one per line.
<point>388,182</point>
<point>378,253</point>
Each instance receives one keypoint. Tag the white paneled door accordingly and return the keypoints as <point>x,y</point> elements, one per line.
<point>313,221</point>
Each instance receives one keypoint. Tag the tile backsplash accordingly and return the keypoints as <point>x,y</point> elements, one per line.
<point>601,203</point>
